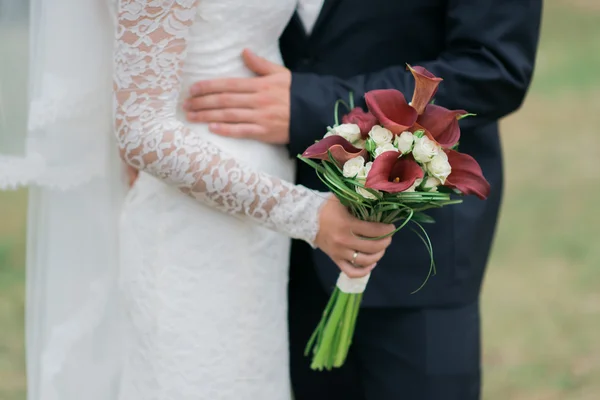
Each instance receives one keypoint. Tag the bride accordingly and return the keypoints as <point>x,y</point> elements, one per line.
<point>191,302</point>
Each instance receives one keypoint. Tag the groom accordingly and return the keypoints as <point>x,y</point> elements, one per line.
<point>423,346</point>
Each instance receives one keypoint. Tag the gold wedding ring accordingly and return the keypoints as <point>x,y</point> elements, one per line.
<point>354,256</point>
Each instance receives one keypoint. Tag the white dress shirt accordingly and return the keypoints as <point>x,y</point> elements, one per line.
<point>309,10</point>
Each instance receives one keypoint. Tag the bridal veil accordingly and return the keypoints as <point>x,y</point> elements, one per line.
<point>63,150</point>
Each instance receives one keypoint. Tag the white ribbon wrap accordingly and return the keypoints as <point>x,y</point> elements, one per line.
<point>352,285</point>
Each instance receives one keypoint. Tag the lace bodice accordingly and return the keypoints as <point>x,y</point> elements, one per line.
<point>150,53</point>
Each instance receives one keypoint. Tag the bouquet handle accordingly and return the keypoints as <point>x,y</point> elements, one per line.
<point>332,338</point>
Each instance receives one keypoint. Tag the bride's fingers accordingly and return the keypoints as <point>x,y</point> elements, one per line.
<point>367,246</point>
<point>363,259</point>
<point>353,271</point>
<point>132,175</point>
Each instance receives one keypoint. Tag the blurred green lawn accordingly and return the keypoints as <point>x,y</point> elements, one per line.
<point>541,301</point>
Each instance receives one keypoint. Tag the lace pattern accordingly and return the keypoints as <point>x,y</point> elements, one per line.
<point>150,52</point>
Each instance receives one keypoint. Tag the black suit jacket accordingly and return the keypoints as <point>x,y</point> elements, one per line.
<point>484,50</point>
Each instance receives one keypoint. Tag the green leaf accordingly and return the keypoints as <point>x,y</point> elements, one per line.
<point>336,110</point>
<point>311,163</point>
<point>466,115</point>
<point>420,133</point>
<point>370,145</point>
<point>425,239</point>
<point>423,218</point>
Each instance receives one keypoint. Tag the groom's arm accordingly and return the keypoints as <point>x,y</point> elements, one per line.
<point>487,67</point>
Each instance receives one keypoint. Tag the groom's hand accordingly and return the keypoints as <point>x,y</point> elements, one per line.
<point>253,108</point>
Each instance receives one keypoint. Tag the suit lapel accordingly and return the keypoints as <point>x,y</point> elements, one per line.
<point>328,6</point>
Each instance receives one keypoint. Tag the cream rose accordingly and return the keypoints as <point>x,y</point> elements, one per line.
<point>386,147</point>
<point>414,186</point>
<point>364,172</point>
<point>439,167</point>
<point>404,142</point>
<point>365,193</point>
<point>350,132</point>
<point>362,178</point>
<point>353,167</point>
<point>381,135</point>
<point>431,184</point>
<point>425,149</point>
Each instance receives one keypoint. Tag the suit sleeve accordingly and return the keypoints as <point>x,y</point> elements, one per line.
<point>487,68</point>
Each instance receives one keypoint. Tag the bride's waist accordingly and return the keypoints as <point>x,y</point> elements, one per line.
<point>269,158</point>
<point>204,63</point>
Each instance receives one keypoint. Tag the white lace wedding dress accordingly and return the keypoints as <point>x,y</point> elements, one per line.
<point>204,271</point>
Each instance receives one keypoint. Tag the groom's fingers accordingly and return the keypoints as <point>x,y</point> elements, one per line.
<point>221,101</point>
<point>224,115</point>
<point>227,85</point>
<point>239,131</point>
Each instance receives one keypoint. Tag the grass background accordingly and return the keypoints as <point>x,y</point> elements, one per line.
<point>541,300</point>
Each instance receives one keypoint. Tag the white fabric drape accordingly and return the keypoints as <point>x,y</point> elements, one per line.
<point>69,74</point>
<point>14,56</point>
<point>65,153</point>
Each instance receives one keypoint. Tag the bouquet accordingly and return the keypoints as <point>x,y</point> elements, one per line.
<point>388,165</point>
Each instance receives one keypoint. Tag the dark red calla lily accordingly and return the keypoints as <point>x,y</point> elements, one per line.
<point>364,120</point>
<point>426,86</point>
<point>466,175</point>
<point>442,124</point>
<point>392,174</point>
<point>391,109</point>
<point>341,150</point>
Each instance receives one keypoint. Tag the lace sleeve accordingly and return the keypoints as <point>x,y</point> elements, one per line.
<point>149,54</point>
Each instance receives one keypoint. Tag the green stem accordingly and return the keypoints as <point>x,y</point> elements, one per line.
<point>425,239</point>
<point>318,332</point>
<point>337,338</point>
<point>358,301</point>
<point>329,332</point>
<point>352,314</point>
<point>346,328</point>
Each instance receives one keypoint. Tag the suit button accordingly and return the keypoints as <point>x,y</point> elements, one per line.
<point>305,62</point>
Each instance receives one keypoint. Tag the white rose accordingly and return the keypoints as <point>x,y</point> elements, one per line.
<point>404,142</point>
<point>364,172</point>
<point>414,186</point>
<point>382,149</point>
<point>439,167</point>
<point>365,193</point>
<point>350,132</point>
<point>381,135</point>
<point>353,167</point>
<point>431,184</point>
<point>425,149</point>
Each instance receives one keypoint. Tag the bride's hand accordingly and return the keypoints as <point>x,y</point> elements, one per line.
<point>340,238</point>
<point>132,174</point>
